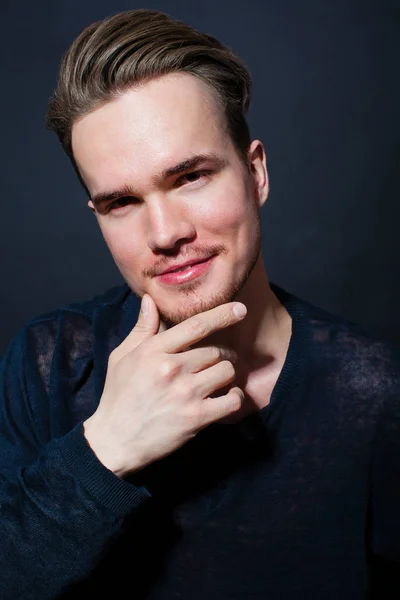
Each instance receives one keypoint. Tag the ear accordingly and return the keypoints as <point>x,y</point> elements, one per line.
<point>258,171</point>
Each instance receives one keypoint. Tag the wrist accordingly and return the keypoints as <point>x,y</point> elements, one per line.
<point>107,452</point>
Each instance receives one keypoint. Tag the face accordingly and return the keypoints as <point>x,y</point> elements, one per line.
<point>168,187</point>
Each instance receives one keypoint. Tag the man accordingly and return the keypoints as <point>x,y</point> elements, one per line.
<point>231,441</point>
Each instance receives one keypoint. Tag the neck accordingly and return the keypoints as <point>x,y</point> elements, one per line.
<point>260,341</point>
<point>264,334</point>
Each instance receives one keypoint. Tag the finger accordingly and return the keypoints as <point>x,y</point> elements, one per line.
<point>215,409</point>
<point>201,358</point>
<point>213,378</point>
<point>199,326</point>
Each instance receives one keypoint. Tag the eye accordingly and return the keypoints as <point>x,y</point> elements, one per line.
<point>121,202</point>
<point>192,177</point>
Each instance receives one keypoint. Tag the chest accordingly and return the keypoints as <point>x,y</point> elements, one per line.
<point>283,524</point>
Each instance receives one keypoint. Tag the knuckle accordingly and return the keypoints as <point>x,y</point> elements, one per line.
<point>226,317</point>
<point>182,391</point>
<point>168,369</point>
<point>216,353</point>
<point>197,327</point>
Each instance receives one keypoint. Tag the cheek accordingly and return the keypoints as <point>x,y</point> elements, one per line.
<point>225,212</point>
<point>124,246</point>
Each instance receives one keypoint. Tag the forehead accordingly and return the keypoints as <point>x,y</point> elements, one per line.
<point>146,129</point>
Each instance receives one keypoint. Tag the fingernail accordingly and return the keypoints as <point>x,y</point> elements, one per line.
<point>145,305</point>
<point>239,310</point>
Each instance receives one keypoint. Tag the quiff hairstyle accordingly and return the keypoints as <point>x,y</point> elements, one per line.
<point>125,50</point>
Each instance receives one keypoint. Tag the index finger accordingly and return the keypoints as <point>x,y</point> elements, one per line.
<point>199,326</point>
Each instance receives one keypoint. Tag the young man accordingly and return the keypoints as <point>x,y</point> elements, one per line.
<point>192,450</point>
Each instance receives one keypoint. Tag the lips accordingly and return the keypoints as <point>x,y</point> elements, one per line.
<point>185,265</point>
<point>191,271</point>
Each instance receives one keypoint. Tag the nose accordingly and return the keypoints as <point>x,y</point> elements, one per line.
<point>167,224</point>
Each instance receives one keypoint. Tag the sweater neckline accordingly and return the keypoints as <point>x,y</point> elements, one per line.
<point>294,365</point>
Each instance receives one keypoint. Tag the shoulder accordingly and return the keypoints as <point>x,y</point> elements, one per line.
<point>361,362</point>
<point>68,329</point>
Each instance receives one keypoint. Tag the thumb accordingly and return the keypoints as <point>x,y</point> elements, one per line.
<point>146,326</point>
<point>148,319</point>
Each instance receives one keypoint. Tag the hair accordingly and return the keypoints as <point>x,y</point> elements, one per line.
<point>126,49</point>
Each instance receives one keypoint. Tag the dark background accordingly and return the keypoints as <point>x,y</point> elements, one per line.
<point>326,104</point>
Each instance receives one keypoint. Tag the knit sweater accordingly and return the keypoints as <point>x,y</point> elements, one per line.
<point>298,501</point>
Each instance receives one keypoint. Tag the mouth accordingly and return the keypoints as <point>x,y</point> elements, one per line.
<point>186,273</point>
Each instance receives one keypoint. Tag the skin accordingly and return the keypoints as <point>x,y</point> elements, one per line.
<point>210,209</point>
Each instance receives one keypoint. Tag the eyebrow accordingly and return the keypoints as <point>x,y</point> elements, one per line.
<point>189,163</point>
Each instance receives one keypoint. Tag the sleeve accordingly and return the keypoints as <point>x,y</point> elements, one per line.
<point>59,506</point>
<point>385,497</point>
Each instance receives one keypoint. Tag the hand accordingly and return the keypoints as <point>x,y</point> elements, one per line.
<point>156,393</point>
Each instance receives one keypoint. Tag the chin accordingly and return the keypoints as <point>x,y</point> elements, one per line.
<point>190,304</point>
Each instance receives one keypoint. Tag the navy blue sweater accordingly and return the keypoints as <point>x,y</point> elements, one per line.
<point>298,501</point>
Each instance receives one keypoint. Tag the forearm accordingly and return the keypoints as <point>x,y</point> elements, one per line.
<point>57,517</point>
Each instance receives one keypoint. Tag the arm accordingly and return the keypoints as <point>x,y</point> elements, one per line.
<point>64,499</point>
<point>59,506</point>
